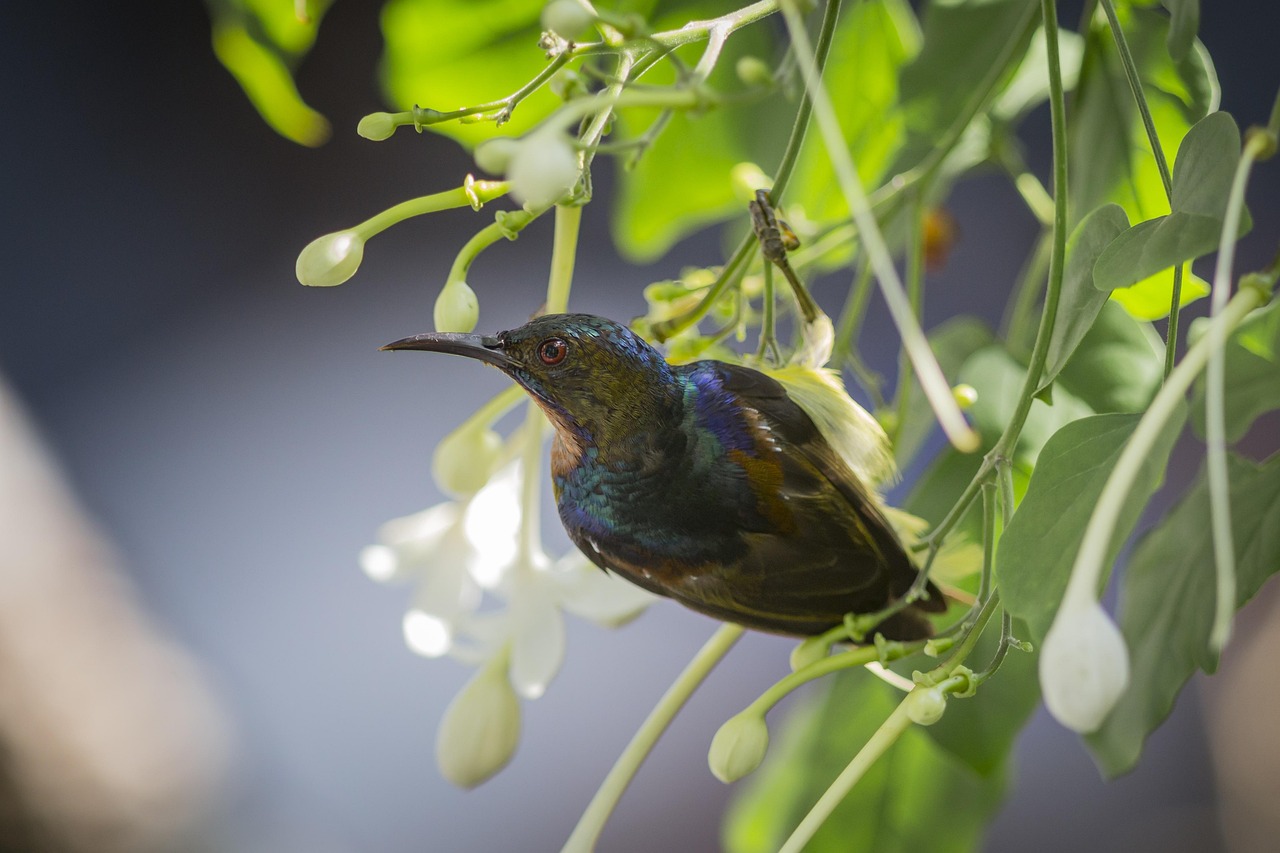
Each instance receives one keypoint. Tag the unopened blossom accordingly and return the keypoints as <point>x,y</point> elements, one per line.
<point>331,259</point>
<point>1084,665</point>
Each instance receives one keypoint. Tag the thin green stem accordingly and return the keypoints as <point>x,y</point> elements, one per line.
<point>915,295</point>
<point>587,832</point>
<point>795,141</point>
<point>564,251</point>
<point>1166,177</point>
<point>508,225</point>
<point>934,384</point>
<point>988,539</point>
<point>420,117</point>
<point>1215,428</point>
<point>858,656</point>
<point>471,194</point>
<point>1017,323</point>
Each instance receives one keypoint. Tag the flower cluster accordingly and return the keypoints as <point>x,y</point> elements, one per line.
<point>486,594</point>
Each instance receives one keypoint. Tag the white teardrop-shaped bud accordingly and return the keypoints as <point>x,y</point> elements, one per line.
<point>331,259</point>
<point>457,309</point>
<point>739,746</point>
<point>1084,666</point>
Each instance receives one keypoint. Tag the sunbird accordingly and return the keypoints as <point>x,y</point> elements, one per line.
<point>703,482</point>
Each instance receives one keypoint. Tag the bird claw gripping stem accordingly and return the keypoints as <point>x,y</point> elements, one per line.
<point>776,239</point>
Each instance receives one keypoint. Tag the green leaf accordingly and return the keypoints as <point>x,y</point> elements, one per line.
<point>952,342</point>
<point>1038,549</point>
<point>998,379</point>
<point>1202,178</point>
<point>872,42</point>
<point>1167,602</point>
<point>1183,26</point>
<point>1118,365</point>
<point>450,54</point>
<point>260,42</point>
<point>916,797</point>
<point>1110,157</point>
<point>1081,301</point>
<point>682,181</point>
<point>962,42</point>
<point>1030,84</point>
<point>1252,373</point>
<point>982,733</point>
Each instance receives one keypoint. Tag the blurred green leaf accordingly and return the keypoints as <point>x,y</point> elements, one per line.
<point>1110,157</point>
<point>1185,22</point>
<point>1030,84</point>
<point>1167,602</point>
<point>963,41</point>
<point>1038,549</point>
<point>952,342</point>
<point>873,41</point>
<point>1118,365</point>
<point>449,54</point>
<point>260,42</point>
<point>1252,373</point>
<point>682,181</point>
<point>1080,302</point>
<point>1202,177</point>
<point>998,378</point>
<point>916,797</point>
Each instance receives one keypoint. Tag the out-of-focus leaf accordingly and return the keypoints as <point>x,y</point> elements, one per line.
<point>1110,157</point>
<point>1038,549</point>
<point>1080,302</point>
<point>1168,599</point>
<point>1118,365</point>
<point>1252,373</point>
<point>962,43</point>
<point>260,42</point>
<point>998,379</point>
<point>952,342</point>
<point>449,54</point>
<point>884,812</point>
<point>682,181</point>
<point>1202,178</point>
<point>1030,84</point>
<point>1183,26</point>
<point>874,39</point>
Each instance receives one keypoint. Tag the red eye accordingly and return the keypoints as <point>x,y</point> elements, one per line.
<point>552,351</point>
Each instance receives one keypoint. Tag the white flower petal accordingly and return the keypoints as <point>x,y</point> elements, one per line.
<point>480,729</point>
<point>1084,666</point>
<point>537,637</point>
<point>428,635</point>
<point>492,523</point>
<point>590,593</point>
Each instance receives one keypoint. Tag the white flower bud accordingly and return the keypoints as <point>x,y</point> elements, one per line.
<point>480,729</point>
<point>456,308</point>
<point>1084,666</point>
<point>465,459</point>
<point>331,259</point>
<point>543,169</point>
<point>377,126</point>
<point>925,705</point>
<point>738,747</point>
<point>568,19</point>
<point>809,651</point>
<point>494,155</point>
<point>965,396</point>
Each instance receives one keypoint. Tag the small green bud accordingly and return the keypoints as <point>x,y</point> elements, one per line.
<point>738,747</point>
<point>331,259</point>
<point>494,155</point>
<point>480,729</point>
<point>754,72</point>
<point>965,396</point>
<point>570,19</point>
<point>925,705</point>
<point>543,169</point>
<point>456,308</point>
<point>377,126</point>
<point>465,459</point>
<point>809,652</point>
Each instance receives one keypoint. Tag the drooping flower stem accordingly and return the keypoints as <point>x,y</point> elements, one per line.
<point>934,384</point>
<point>606,798</point>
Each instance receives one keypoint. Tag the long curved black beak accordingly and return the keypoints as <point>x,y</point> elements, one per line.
<point>486,348</point>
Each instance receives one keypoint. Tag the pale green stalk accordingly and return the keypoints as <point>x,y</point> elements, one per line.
<point>587,832</point>
<point>1215,415</point>
<point>1087,570</point>
<point>934,384</point>
<point>471,194</point>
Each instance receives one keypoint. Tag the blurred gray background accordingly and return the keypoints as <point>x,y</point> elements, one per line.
<point>239,438</point>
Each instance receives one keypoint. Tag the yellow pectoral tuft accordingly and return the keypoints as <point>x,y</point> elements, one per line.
<point>848,428</point>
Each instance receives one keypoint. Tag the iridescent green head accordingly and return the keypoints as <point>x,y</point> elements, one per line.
<point>591,375</point>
